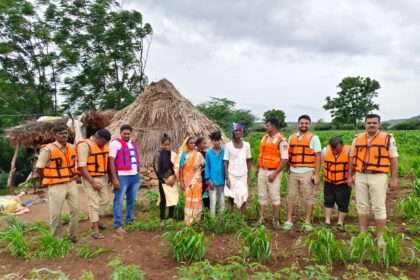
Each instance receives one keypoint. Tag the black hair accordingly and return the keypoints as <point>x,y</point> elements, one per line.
<point>370,116</point>
<point>126,127</point>
<point>335,141</point>
<point>165,138</point>
<point>216,135</point>
<point>189,139</point>
<point>199,140</point>
<point>273,121</point>
<point>103,133</point>
<point>305,117</point>
<point>59,127</point>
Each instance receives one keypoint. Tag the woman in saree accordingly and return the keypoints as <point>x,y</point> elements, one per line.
<point>190,168</point>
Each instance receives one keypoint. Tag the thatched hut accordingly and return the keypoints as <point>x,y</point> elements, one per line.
<point>162,109</point>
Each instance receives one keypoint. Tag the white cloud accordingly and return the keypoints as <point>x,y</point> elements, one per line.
<point>286,54</point>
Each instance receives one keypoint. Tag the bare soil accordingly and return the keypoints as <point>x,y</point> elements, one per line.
<point>147,250</point>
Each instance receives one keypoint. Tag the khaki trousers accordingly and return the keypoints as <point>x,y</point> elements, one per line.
<point>57,195</point>
<point>97,199</point>
<point>371,192</point>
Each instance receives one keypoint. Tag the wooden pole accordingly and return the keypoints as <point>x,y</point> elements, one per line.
<point>12,170</point>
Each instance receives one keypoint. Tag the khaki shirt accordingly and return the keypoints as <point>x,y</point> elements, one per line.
<point>283,147</point>
<point>83,151</point>
<point>44,155</point>
<point>393,152</point>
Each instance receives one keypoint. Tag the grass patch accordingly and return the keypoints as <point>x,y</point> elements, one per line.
<point>125,272</point>
<point>151,224</point>
<point>363,247</point>
<point>222,223</point>
<point>50,247</point>
<point>323,246</point>
<point>187,244</point>
<point>89,252</point>
<point>255,243</point>
<point>409,208</point>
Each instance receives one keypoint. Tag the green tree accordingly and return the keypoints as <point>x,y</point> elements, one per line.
<point>278,114</point>
<point>106,49</point>
<point>223,112</point>
<point>92,52</point>
<point>354,100</point>
<point>28,68</point>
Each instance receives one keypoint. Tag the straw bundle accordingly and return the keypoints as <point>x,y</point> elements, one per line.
<point>32,133</point>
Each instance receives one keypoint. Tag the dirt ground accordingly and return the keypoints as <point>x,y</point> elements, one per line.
<point>147,250</point>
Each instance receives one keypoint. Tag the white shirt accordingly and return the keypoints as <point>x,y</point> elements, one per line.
<point>237,158</point>
<point>114,147</point>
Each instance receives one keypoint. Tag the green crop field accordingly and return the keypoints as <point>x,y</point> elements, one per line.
<point>227,246</point>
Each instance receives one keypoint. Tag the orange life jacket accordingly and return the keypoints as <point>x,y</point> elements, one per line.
<point>300,155</point>
<point>61,167</point>
<point>336,168</point>
<point>374,155</point>
<point>269,156</point>
<point>97,161</point>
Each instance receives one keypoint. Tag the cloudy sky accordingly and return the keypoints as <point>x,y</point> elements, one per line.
<point>288,55</point>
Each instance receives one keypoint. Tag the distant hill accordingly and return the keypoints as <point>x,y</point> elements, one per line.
<point>397,121</point>
<point>392,122</point>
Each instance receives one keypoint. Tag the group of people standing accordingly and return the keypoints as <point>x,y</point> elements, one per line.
<point>97,163</point>
<point>364,165</point>
<point>203,174</point>
<point>207,176</point>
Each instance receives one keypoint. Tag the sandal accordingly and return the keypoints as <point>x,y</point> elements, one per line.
<point>98,235</point>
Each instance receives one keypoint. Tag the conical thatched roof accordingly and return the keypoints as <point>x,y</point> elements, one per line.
<point>162,109</point>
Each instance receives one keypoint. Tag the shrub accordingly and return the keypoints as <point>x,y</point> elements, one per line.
<point>233,269</point>
<point>409,208</point>
<point>255,243</point>
<point>125,272</point>
<point>392,252</point>
<point>50,247</point>
<point>17,244</point>
<point>362,245</point>
<point>141,224</point>
<point>14,235</point>
<point>324,248</point>
<point>187,244</point>
<point>87,252</point>
<point>223,223</point>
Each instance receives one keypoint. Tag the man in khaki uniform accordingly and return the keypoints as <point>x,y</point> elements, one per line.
<point>374,154</point>
<point>273,157</point>
<point>56,167</point>
<point>92,157</point>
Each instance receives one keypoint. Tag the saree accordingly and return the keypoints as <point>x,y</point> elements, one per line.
<point>191,173</point>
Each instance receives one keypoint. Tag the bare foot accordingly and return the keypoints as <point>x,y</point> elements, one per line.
<point>121,231</point>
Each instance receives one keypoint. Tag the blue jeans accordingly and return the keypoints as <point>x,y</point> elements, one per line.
<point>129,185</point>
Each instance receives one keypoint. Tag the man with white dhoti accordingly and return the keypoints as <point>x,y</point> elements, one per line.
<point>237,160</point>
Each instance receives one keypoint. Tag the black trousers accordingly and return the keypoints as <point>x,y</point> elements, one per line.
<point>337,194</point>
<point>206,201</point>
<point>162,204</point>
